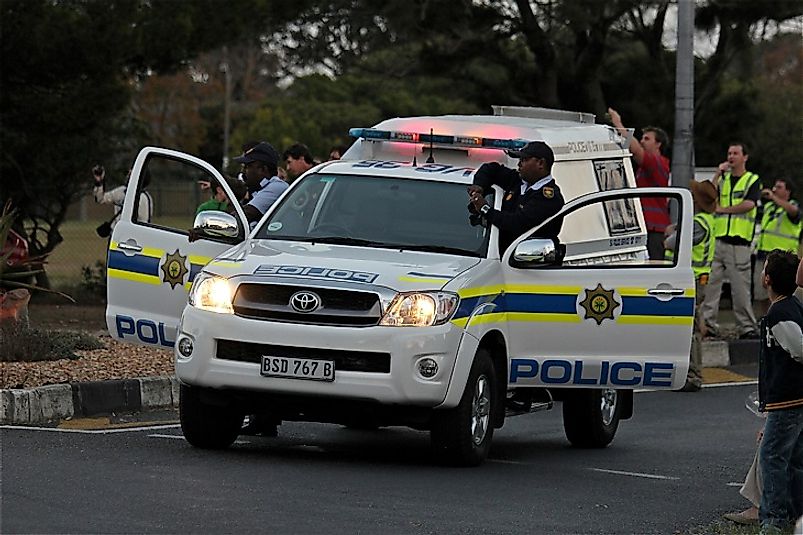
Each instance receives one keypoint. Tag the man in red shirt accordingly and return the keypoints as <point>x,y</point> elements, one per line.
<point>653,171</point>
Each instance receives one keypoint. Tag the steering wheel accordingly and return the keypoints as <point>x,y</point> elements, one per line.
<point>329,228</point>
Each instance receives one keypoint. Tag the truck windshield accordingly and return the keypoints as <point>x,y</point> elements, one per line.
<point>381,212</point>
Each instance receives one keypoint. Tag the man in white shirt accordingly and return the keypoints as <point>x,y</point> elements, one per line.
<point>116,196</point>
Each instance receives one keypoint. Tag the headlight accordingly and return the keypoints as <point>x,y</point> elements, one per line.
<point>210,292</point>
<point>420,309</point>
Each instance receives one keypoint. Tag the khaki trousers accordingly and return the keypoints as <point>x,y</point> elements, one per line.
<point>695,374</point>
<point>733,260</point>
<point>751,489</point>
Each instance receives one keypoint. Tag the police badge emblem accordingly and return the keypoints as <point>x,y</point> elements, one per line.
<point>548,192</point>
<point>173,269</point>
<point>599,304</point>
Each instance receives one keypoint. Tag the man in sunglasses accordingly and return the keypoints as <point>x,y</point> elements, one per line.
<point>531,195</point>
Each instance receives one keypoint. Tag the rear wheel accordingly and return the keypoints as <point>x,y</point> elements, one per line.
<point>207,425</point>
<point>591,417</point>
<point>462,436</point>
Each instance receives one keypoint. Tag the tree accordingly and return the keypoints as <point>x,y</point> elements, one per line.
<point>64,106</point>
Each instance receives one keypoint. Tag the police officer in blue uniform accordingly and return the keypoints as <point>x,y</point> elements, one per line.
<point>531,195</point>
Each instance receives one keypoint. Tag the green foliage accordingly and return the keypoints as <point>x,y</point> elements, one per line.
<point>21,344</point>
<point>69,69</point>
<point>69,103</point>
<point>93,279</point>
<point>318,111</point>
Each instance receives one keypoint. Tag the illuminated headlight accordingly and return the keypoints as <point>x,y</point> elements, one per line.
<point>420,309</point>
<point>210,292</point>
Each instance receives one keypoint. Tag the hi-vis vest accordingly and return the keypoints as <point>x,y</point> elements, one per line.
<point>735,225</point>
<point>777,230</point>
<point>702,254</point>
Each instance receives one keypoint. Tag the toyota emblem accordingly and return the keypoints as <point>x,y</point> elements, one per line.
<point>305,302</point>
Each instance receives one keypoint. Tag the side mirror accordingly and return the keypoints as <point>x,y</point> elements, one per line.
<point>537,252</point>
<point>216,224</point>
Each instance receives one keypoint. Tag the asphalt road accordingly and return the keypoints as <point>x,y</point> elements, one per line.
<point>671,468</point>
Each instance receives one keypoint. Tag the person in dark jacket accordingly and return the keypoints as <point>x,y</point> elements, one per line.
<point>780,391</point>
<point>531,195</point>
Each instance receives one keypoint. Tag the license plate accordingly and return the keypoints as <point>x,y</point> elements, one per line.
<point>295,368</point>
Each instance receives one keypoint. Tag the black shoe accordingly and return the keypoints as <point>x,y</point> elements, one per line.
<point>690,387</point>
<point>520,401</point>
<point>752,335</point>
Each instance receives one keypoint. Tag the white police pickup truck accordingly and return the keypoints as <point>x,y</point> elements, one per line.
<point>365,297</point>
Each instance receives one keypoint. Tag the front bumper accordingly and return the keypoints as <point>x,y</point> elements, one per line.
<point>401,386</point>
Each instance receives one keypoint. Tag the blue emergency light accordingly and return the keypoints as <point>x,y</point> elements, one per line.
<point>440,139</point>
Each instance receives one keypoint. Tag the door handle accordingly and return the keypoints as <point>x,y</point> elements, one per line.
<point>128,247</point>
<point>666,291</point>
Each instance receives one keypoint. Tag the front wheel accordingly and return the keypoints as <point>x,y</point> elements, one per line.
<point>591,417</point>
<point>207,425</point>
<point>462,436</point>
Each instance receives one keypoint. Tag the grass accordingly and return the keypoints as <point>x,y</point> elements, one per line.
<point>83,247</point>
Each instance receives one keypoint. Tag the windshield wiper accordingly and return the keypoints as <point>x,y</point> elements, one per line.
<point>437,249</point>
<point>342,240</point>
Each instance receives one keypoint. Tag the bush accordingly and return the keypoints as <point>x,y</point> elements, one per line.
<point>23,344</point>
<point>93,279</point>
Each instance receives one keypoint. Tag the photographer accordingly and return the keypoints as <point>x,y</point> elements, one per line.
<point>781,225</point>
<point>531,194</point>
<point>116,198</point>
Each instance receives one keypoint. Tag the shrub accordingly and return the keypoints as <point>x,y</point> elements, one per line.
<point>22,344</point>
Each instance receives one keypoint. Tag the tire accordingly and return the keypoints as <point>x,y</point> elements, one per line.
<point>205,425</point>
<point>462,436</point>
<point>591,417</point>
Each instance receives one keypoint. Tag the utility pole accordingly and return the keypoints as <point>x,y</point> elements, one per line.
<point>224,67</point>
<point>683,147</point>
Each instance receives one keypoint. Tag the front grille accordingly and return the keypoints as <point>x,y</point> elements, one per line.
<point>353,361</point>
<point>338,307</point>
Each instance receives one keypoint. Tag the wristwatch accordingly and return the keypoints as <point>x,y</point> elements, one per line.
<point>485,209</point>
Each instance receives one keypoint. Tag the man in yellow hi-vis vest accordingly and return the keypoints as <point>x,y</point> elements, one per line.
<point>781,226</point>
<point>739,190</point>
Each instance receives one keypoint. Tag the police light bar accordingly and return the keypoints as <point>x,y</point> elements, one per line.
<point>440,139</point>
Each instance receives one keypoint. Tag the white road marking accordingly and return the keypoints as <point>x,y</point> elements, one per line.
<point>741,383</point>
<point>181,437</point>
<point>91,431</point>
<point>707,385</point>
<point>734,484</point>
<point>634,474</point>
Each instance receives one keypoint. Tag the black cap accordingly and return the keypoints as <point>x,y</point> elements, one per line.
<point>261,152</point>
<point>534,149</point>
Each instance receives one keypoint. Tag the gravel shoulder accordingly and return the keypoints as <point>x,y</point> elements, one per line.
<point>116,360</point>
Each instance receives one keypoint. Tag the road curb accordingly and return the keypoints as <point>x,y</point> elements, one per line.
<point>723,353</point>
<point>53,403</point>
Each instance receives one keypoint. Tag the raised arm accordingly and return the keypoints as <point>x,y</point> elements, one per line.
<point>635,146</point>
